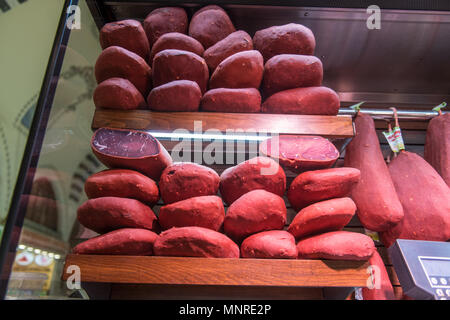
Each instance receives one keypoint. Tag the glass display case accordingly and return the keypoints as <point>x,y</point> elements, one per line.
<point>397,61</point>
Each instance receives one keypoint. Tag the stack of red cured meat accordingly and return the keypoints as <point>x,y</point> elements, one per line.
<point>141,172</point>
<point>169,63</point>
<point>192,222</point>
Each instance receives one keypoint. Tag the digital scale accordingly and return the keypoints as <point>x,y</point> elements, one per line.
<point>423,268</point>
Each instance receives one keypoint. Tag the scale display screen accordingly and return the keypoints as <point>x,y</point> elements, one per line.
<point>437,270</point>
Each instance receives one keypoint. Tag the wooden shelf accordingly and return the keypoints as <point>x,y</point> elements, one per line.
<point>326,126</point>
<point>218,272</point>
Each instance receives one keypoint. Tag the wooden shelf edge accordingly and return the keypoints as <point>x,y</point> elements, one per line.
<point>217,272</point>
<point>326,126</point>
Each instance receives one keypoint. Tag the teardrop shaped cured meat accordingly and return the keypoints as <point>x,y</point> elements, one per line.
<point>184,180</point>
<point>176,40</point>
<point>179,95</point>
<point>128,34</point>
<point>122,183</point>
<point>425,198</point>
<point>292,38</point>
<point>256,173</point>
<point>241,70</point>
<point>323,216</point>
<point>236,42</point>
<point>118,62</point>
<point>111,213</point>
<point>336,245</point>
<point>308,101</point>
<point>318,185</point>
<point>379,207</point>
<point>125,241</point>
<point>204,211</point>
<point>288,71</point>
<point>172,64</point>
<point>210,25</point>
<point>232,100</point>
<point>256,211</point>
<point>195,242</point>
<point>164,20</point>
<point>118,93</point>
<point>437,145</point>
<point>272,244</point>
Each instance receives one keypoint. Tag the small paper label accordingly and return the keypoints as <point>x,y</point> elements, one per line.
<point>356,106</point>
<point>395,139</point>
<point>372,234</point>
<point>439,107</point>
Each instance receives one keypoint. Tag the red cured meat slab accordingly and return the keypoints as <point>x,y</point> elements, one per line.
<point>122,183</point>
<point>300,153</point>
<point>437,145</point>
<point>318,185</point>
<point>205,211</point>
<point>255,211</point>
<point>273,244</point>
<point>324,216</point>
<point>126,241</point>
<point>336,245</point>
<point>195,242</point>
<point>110,213</point>
<point>130,149</point>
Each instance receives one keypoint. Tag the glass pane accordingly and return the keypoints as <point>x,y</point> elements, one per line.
<point>20,80</point>
<point>65,162</point>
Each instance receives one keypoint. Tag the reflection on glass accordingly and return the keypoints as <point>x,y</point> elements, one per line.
<point>21,78</point>
<point>50,226</point>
